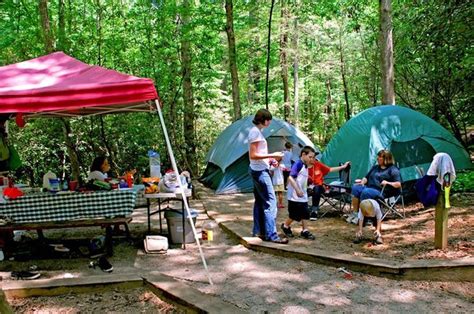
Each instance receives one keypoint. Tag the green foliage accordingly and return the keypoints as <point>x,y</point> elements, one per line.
<point>464,182</point>
<point>433,63</point>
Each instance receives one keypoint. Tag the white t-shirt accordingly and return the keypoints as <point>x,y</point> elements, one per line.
<point>97,175</point>
<point>255,135</point>
<point>378,212</point>
<point>277,178</point>
<point>299,172</point>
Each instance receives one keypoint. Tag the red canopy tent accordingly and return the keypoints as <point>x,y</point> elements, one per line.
<point>59,85</point>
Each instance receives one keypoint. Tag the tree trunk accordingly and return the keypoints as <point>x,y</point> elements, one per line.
<point>188,98</point>
<point>386,50</point>
<point>47,35</point>
<point>254,75</point>
<point>343,74</point>
<point>284,61</point>
<point>71,150</point>
<point>329,113</point>
<point>268,52</point>
<point>296,104</point>
<point>99,32</point>
<point>61,27</point>
<point>233,59</point>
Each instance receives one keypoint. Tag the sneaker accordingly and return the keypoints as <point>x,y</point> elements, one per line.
<point>378,240</point>
<point>351,217</point>
<point>280,241</point>
<point>355,220</point>
<point>287,231</point>
<point>313,215</point>
<point>25,275</point>
<point>105,265</point>
<point>307,235</point>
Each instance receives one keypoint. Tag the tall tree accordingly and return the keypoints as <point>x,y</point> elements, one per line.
<point>284,59</point>
<point>188,98</point>
<point>386,50</point>
<point>46,28</point>
<point>233,59</point>
<point>295,42</point>
<point>269,40</point>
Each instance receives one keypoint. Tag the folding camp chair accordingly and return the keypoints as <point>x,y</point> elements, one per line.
<point>391,197</point>
<point>337,194</point>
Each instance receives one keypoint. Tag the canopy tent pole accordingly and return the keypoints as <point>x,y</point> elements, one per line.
<point>181,188</point>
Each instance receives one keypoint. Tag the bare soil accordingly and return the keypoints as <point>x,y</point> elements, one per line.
<point>137,300</point>
<point>258,282</point>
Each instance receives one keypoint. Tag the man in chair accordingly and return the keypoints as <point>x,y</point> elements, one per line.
<point>316,173</point>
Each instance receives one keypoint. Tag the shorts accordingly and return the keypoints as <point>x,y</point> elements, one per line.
<point>371,219</point>
<point>298,210</point>
<point>279,188</point>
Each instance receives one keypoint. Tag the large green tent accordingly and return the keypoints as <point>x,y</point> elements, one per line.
<point>412,137</point>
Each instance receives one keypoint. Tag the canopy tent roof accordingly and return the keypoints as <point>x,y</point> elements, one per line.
<point>59,85</point>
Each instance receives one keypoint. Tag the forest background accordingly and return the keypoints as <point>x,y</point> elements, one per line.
<point>323,68</point>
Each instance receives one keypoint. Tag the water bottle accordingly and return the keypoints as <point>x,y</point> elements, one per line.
<point>155,166</point>
<point>210,232</point>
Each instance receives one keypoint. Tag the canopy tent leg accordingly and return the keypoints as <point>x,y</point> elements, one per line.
<point>181,188</point>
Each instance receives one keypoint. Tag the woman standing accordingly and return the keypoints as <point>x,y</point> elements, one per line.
<point>265,206</point>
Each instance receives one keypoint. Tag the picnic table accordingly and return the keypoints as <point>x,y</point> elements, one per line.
<point>40,211</point>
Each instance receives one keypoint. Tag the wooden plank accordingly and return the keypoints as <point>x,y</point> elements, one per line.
<point>441,223</point>
<point>66,224</point>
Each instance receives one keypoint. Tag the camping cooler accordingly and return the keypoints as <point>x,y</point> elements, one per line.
<point>175,226</point>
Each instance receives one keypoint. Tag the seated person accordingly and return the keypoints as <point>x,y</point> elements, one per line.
<point>316,171</point>
<point>99,168</point>
<point>382,174</point>
<point>370,210</point>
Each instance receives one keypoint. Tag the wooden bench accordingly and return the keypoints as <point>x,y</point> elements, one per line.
<point>102,222</point>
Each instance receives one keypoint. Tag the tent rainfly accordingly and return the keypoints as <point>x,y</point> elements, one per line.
<point>412,137</point>
<point>228,161</point>
<point>57,85</point>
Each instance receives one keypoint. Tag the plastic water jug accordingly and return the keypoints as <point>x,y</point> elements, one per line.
<point>210,232</point>
<point>155,166</point>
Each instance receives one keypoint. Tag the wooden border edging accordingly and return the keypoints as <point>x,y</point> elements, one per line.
<point>184,295</point>
<point>432,270</point>
<point>172,290</point>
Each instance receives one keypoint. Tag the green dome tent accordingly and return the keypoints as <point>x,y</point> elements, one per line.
<point>412,137</point>
<point>228,161</point>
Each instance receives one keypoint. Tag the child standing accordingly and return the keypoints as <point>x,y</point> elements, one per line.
<point>286,162</point>
<point>298,194</point>
<point>277,181</point>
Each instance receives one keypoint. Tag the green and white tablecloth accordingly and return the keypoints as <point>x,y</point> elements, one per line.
<point>60,207</point>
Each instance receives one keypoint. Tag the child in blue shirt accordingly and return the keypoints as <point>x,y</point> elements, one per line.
<point>298,194</point>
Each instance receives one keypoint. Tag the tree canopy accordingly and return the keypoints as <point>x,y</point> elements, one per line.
<point>323,62</point>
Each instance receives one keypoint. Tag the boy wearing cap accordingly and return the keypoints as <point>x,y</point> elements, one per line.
<point>369,209</point>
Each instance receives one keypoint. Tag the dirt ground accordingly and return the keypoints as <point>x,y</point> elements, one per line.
<point>258,282</point>
<point>137,300</point>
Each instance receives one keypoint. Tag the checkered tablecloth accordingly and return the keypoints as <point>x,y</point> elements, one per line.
<point>47,207</point>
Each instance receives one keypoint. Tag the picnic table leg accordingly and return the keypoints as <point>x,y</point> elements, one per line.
<point>108,241</point>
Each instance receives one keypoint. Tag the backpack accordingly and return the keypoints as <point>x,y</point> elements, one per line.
<point>427,189</point>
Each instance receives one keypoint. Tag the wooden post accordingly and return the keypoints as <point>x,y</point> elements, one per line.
<point>441,223</point>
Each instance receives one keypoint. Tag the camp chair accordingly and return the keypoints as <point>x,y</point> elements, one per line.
<point>391,197</point>
<point>337,194</point>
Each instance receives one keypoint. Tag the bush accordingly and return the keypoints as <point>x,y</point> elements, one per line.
<point>464,181</point>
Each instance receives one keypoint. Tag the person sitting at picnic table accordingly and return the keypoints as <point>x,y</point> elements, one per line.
<point>385,173</point>
<point>99,168</point>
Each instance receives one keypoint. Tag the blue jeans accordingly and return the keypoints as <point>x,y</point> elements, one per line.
<point>265,206</point>
<point>363,192</point>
